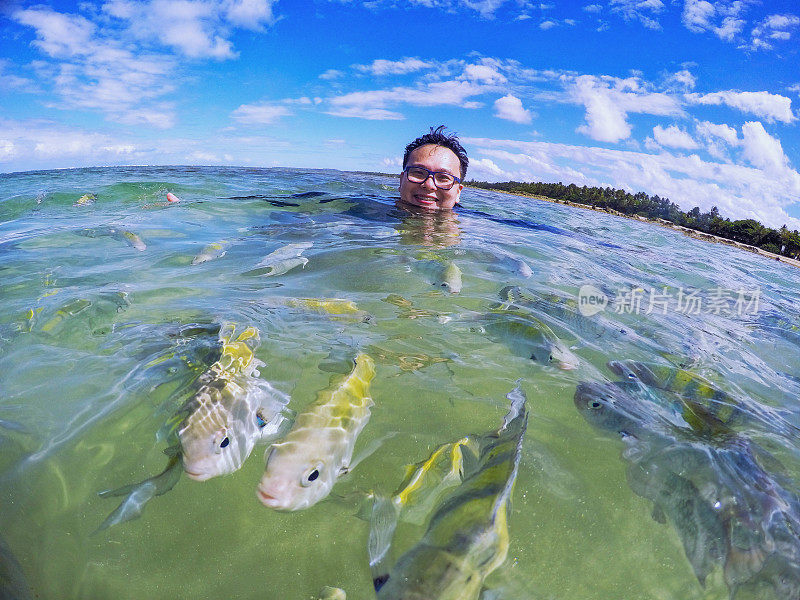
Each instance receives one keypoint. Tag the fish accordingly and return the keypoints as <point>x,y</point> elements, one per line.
<point>302,468</point>
<point>85,200</point>
<point>212,251</point>
<point>172,197</point>
<point>124,235</point>
<point>217,427</point>
<point>559,311</point>
<point>467,536</point>
<point>728,511</point>
<point>528,337</point>
<point>284,259</point>
<point>407,309</point>
<point>284,266</point>
<point>441,273</point>
<point>13,585</point>
<point>336,307</point>
<point>331,593</point>
<point>231,410</point>
<point>128,237</point>
<point>703,404</point>
<point>421,489</point>
<point>70,309</point>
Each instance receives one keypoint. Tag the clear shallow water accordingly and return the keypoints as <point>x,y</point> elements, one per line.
<point>97,335</point>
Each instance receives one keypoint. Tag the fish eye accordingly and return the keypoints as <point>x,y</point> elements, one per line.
<point>551,358</point>
<point>595,404</point>
<point>224,443</point>
<point>311,475</point>
<point>260,422</point>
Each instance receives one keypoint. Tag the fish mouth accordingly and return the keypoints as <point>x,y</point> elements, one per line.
<point>267,499</point>
<point>195,475</point>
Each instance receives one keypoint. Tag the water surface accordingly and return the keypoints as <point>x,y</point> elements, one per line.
<point>97,335</point>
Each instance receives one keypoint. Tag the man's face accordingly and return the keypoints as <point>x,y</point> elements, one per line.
<point>426,195</point>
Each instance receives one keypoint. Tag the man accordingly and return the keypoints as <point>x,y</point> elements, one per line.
<point>434,167</point>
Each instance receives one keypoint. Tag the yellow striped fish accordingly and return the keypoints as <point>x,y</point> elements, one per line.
<point>230,411</point>
<point>217,427</point>
<point>302,468</point>
<point>467,537</point>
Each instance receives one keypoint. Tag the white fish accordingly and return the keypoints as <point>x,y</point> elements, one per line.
<point>283,253</point>
<point>85,200</point>
<point>210,252</point>
<point>231,410</point>
<point>283,266</point>
<point>128,237</point>
<point>441,273</point>
<point>302,468</point>
<point>216,428</point>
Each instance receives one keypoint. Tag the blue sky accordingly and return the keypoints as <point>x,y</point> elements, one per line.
<point>694,100</point>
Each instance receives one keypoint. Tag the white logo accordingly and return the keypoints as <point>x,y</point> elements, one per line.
<point>591,300</point>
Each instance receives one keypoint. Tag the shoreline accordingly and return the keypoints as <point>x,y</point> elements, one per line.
<point>692,233</point>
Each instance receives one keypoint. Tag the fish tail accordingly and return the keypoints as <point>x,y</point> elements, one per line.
<point>383,522</point>
<point>137,495</point>
<point>518,401</point>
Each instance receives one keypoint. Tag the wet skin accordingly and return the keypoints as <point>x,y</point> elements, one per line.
<point>426,195</point>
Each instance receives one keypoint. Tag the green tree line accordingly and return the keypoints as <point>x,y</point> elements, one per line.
<point>747,231</point>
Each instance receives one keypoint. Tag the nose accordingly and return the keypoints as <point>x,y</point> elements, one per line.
<point>428,183</point>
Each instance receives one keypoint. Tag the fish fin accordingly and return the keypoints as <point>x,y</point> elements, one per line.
<point>380,581</point>
<point>518,399</point>
<point>139,494</point>
<point>383,522</point>
<point>369,450</point>
<point>658,514</point>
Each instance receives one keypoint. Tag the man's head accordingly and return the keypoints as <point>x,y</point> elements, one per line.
<point>434,166</point>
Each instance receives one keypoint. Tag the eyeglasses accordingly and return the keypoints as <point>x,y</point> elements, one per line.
<point>441,179</point>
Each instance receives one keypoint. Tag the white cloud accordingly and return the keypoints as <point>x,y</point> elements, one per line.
<point>718,138</point>
<point>484,73</point>
<point>260,114</point>
<point>7,150</point>
<point>593,8</point>
<point>772,107</point>
<point>191,27</point>
<point>682,80</point>
<point>549,24</point>
<point>761,149</point>
<point>394,67</point>
<point>45,143</point>
<point>723,132</point>
<point>375,104</point>
<point>773,27</point>
<point>739,191</point>
<point>609,100</point>
<point>331,74</point>
<point>58,35</point>
<point>721,18</point>
<point>249,14</point>
<point>485,169</point>
<point>674,137</point>
<point>394,162</point>
<point>644,11</point>
<point>486,8</point>
<point>510,108</point>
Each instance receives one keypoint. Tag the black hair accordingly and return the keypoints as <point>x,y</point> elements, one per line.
<point>437,137</point>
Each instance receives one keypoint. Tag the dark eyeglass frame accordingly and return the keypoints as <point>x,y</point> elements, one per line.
<point>433,175</point>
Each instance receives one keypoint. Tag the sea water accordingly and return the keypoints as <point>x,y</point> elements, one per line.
<point>97,336</point>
